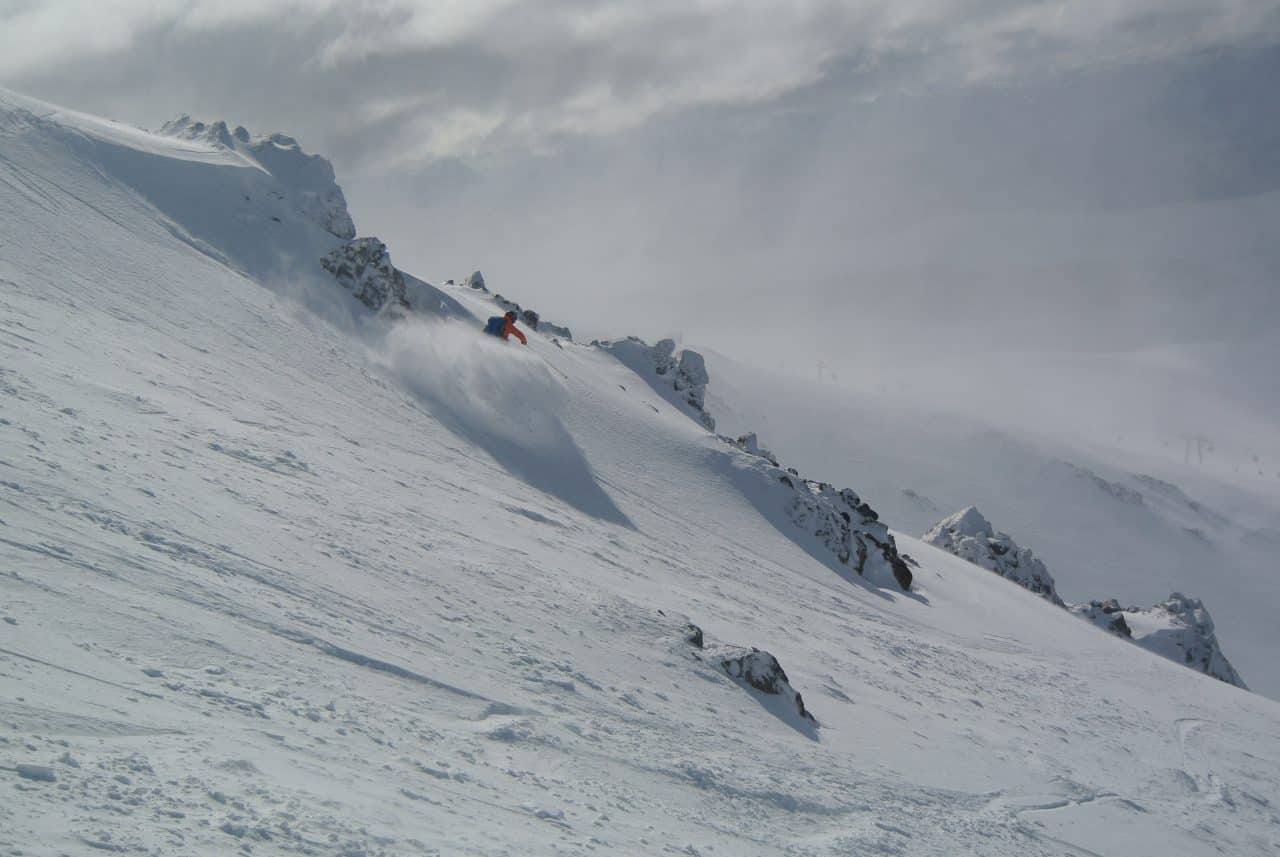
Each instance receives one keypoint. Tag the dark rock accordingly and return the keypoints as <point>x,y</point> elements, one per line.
<point>363,267</point>
<point>761,671</point>
<point>693,635</point>
<point>849,528</point>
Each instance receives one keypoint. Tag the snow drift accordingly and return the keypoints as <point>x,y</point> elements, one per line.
<point>501,397</point>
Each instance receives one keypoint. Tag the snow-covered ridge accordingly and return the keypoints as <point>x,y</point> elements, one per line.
<point>308,180</point>
<point>532,318</point>
<point>833,523</point>
<point>258,204</point>
<point>1178,628</point>
<point>970,536</point>
<point>680,375</point>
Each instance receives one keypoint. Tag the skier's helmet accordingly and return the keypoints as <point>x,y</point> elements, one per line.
<point>511,315</point>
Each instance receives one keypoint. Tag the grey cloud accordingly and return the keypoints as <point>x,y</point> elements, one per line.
<point>419,80</point>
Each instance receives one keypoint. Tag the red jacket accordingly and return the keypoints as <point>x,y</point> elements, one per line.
<point>509,329</point>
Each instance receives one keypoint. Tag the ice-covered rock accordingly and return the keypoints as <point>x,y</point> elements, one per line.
<point>476,281</point>
<point>970,536</point>
<point>306,182</point>
<point>1178,628</point>
<point>679,375</point>
<point>363,267</point>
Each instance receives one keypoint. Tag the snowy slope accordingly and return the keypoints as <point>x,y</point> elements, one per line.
<point>1109,520</point>
<point>328,584</point>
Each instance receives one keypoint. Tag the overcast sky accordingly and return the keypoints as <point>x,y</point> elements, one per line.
<point>823,179</point>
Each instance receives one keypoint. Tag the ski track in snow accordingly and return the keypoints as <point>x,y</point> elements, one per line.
<point>258,596</point>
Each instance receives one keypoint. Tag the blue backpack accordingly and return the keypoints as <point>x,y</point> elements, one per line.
<point>495,326</point>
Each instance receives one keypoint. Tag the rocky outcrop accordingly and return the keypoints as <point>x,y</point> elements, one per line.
<point>476,281</point>
<point>749,666</point>
<point>693,635</point>
<point>761,671</point>
<point>836,519</point>
<point>680,375</point>
<point>1178,628</point>
<point>307,182</point>
<point>970,536</point>
<point>847,527</point>
<point>363,267</point>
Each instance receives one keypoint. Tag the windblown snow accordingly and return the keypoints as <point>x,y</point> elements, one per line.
<point>284,574</point>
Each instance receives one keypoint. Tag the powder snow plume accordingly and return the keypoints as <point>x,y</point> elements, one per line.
<point>501,397</point>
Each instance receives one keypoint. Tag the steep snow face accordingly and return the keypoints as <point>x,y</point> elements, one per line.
<point>363,267</point>
<point>259,205</point>
<point>1178,628</point>
<point>682,378</point>
<point>970,536</point>
<point>269,586</point>
<point>307,183</point>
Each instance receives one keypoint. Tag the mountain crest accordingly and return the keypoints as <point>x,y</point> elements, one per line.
<point>308,181</point>
<point>970,536</point>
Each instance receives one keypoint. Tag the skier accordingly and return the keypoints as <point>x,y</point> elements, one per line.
<point>505,326</point>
